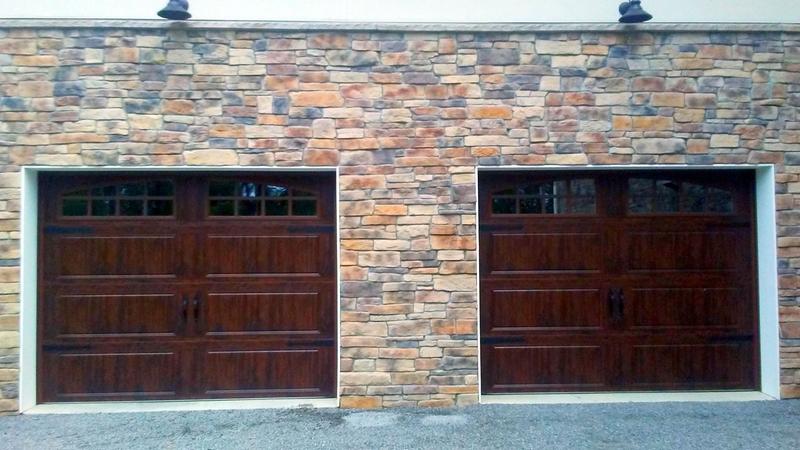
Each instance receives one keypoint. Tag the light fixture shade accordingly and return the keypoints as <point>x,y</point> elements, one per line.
<point>632,12</point>
<point>176,10</point>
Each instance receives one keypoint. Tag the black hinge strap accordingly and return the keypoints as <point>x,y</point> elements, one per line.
<point>495,340</point>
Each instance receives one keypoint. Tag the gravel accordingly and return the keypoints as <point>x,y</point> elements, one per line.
<point>746,425</point>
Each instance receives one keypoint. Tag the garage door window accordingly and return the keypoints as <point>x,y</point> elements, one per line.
<point>650,195</point>
<point>576,196</point>
<point>140,199</point>
<point>230,198</point>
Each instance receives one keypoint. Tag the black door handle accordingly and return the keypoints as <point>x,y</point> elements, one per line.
<point>616,303</point>
<point>197,304</point>
<point>185,310</point>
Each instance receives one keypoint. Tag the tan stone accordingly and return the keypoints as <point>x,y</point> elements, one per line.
<point>211,157</point>
<point>318,99</point>
<point>490,112</point>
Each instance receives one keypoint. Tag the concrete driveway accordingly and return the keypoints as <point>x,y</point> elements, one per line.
<point>746,425</point>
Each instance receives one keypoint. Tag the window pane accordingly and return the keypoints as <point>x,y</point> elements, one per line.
<point>131,207</point>
<point>276,208</point>
<point>159,207</point>
<point>504,206</point>
<point>506,192</point>
<point>249,190</point>
<point>719,201</point>
<point>222,208</point>
<point>222,188</point>
<point>530,205</point>
<point>639,204</point>
<point>583,205</point>
<point>80,193</point>
<point>276,191</point>
<point>667,196</point>
<point>560,188</point>
<point>299,193</point>
<point>104,208</point>
<point>694,198</point>
<point>74,208</point>
<point>304,208</point>
<point>249,207</point>
<point>640,187</point>
<point>160,188</point>
<point>104,191</point>
<point>132,190</point>
<point>583,187</point>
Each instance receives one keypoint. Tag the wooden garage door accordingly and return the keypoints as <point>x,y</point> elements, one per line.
<point>176,286</point>
<point>594,281</point>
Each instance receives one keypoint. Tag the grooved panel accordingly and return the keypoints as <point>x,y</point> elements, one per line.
<point>262,255</point>
<point>535,252</point>
<point>119,256</point>
<point>132,315</point>
<point>95,376</point>
<point>685,250</point>
<point>263,313</point>
<point>548,366</point>
<point>262,372</point>
<point>543,309</point>
<point>688,307</point>
<point>692,365</point>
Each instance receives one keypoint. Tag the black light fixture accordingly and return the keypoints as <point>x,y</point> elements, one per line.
<point>176,10</point>
<point>632,12</point>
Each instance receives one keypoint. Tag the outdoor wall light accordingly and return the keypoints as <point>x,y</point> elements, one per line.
<point>176,10</point>
<point>632,12</point>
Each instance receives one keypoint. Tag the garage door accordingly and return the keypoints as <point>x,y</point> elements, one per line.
<point>176,286</point>
<point>595,281</point>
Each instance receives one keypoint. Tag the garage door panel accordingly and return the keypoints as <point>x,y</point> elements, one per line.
<point>519,310</point>
<point>685,251</point>
<point>300,372</point>
<point>92,257</point>
<point>545,252</point>
<point>112,375</point>
<point>691,365</point>
<point>546,367</point>
<point>269,313</point>
<point>265,255</point>
<point>677,308</point>
<point>115,315</point>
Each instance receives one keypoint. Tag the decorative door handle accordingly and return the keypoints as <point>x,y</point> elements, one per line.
<point>185,310</point>
<point>197,304</point>
<point>616,303</point>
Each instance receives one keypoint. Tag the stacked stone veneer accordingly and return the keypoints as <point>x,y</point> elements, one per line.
<point>407,117</point>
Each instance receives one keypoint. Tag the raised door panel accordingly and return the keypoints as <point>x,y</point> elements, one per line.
<point>700,365</point>
<point>539,310</point>
<point>92,258</point>
<point>685,251</point>
<point>112,315</point>
<point>544,252</point>
<point>267,372</point>
<point>231,255</point>
<point>688,309</point>
<point>118,374</point>
<point>545,367</point>
<point>268,313</point>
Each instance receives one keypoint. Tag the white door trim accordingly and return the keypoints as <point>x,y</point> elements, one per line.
<point>767,260</point>
<point>28,302</point>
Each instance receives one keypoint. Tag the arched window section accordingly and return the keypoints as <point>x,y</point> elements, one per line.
<point>664,195</point>
<point>235,198</point>
<point>552,197</point>
<point>153,198</point>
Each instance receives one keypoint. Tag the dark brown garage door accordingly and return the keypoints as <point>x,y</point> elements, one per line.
<point>174,286</point>
<point>595,281</point>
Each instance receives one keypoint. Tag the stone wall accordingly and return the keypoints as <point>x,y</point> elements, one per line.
<point>407,117</point>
